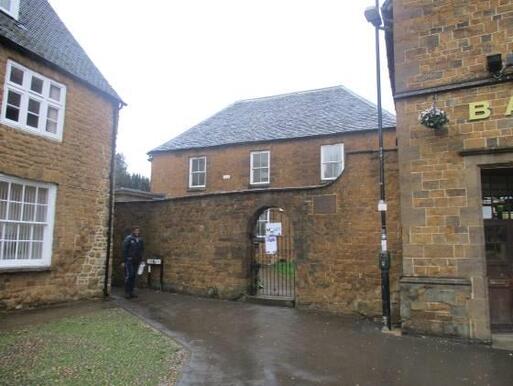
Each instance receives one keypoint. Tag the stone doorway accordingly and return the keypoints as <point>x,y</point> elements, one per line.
<point>273,265</point>
<point>497,200</point>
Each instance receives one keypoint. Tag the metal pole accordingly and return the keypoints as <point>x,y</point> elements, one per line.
<point>384,256</point>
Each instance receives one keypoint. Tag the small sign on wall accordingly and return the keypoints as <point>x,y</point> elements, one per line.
<point>487,212</point>
<point>273,229</point>
<point>271,245</point>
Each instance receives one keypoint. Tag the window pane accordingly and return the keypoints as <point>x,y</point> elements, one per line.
<point>332,153</point>
<point>24,232</point>
<point>34,106</point>
<point>23,250</point>
<point>3,210</point>
<point>32,120</point>
<point>14,99</point>
<point>16,73</point>
<point>264,175</point>
<point>12,113</point>
<point>42,196</point>
<point>53,114</point>
<point>256,175</point>
<point>9,250</point>
<point>28,212</point>
<point>263,160</point>
<point>41,213</point>
<point>4,190</point>
<point>256,160</point>
<point>38,234</point>
<point>16,192</point>
<point>201,179</point>
<point>37,250</point>
<point>55,93</point>
<point>37,85</point>
<point>11,231</point>
<point>198,165</point>
<point>30,194</point>
<point>51,127</point>
<point>15,211</point>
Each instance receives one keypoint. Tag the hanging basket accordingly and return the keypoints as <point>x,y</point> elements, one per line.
<point>433,118</point>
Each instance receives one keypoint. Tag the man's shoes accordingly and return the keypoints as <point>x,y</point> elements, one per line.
<point>130,296</point>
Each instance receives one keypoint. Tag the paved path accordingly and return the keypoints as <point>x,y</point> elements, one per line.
<point>245,344</point>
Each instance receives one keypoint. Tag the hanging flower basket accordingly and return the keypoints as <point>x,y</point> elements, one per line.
<point>433,118</point>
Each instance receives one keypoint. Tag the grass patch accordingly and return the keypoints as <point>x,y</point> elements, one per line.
<point>286,268</point>
<point>103,347</point>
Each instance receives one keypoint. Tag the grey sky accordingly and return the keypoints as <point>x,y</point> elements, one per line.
<point>177,62</point>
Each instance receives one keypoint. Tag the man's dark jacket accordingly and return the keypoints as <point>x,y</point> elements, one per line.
<point>133,247</point>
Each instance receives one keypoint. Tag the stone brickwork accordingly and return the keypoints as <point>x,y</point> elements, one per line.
<point>205,241</point>
<point>436,44</point>
<point>294,163</point>
<point>79,166</point>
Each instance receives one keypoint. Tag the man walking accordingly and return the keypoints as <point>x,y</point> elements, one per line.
<point>133,247</point>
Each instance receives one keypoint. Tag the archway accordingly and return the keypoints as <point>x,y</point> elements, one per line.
<point>273,265</point>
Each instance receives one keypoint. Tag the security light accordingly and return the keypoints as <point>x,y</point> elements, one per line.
<point>372,15</point>
<point>494,63</point>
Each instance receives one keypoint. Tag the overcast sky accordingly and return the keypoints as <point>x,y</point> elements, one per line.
<point>176,62</point>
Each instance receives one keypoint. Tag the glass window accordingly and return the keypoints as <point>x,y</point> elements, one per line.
<point>33,102</point>
<point>26,222</point>
<point>260,167</point>
<point>262,221</point>
<point>332,161</point>
<point>11,7</point>
<point>197,172</point>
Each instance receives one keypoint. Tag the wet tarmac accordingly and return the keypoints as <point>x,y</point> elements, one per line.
<point>234,343</point>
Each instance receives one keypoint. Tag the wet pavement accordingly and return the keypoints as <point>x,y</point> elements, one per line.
<point>234,343</point>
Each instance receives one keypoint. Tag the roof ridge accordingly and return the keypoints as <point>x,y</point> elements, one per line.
<point>365,100</point>
<point>289,94</point>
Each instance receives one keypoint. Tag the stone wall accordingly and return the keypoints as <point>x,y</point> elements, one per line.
<point>437,44</point>
<point>294,163</point>
<point>79,166</point>
<point>205,241</point>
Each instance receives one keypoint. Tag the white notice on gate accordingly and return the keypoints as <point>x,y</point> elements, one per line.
<point>271,245</point>
<point>273,229</point>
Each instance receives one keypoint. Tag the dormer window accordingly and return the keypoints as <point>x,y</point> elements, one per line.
<point>33,102</point>
<point>10,7</point>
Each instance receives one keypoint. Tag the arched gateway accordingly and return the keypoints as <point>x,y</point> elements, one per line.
<point>272,265</point>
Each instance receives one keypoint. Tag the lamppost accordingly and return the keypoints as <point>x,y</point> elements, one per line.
<point>373,16</point>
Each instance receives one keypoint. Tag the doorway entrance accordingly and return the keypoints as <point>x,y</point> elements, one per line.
<point>273,266</point>
<point>497,196</point>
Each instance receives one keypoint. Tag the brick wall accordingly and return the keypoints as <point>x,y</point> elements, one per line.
<point>79,165</point>
<point>293,163</point>
<point>206,240</point>
<point>444,290</point>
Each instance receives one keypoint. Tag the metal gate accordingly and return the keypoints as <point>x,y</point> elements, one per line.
<point>273,274</point>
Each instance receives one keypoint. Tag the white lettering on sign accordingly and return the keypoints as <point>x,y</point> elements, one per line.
<point>273,229</point>
<point>154,261</point>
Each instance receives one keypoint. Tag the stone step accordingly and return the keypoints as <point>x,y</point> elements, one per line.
<point>502,341</point>
<point>271,301</point>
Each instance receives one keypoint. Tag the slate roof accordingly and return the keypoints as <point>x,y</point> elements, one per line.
<point>40,31</point>
<point>324,111</point>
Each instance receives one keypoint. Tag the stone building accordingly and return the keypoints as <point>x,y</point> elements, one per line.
<point>457,181</point>
<point>57,134</point>
<point>307,161</point>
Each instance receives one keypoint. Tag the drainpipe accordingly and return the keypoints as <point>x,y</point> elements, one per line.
<point>115,121</point>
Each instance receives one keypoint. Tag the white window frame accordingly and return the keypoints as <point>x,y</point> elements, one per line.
<point>252,181</point>
<point>191,160</point>
<point>14,10</point>
<point>47,247</point>
<point>44,99</point>
<point>266,221</point>
<point>323,162</point>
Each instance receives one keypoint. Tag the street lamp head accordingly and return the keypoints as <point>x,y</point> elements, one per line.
<point>372,15</point>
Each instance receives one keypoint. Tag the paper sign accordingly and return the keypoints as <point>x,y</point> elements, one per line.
<point>487,212</point>
<point>273,229</point>
<point>271,245</point>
